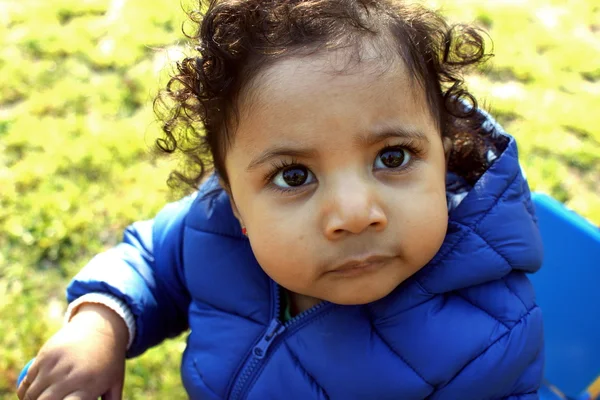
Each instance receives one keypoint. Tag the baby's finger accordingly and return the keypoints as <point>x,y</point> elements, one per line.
<point>23,387</point>
<point>30,387</point>
<point>56,391</point>
<point>115,393</point>
<point>78,396</point>
<point>28,379</point>
<point>36,386</point>
<point>31,391</point>
<point>24,372</point>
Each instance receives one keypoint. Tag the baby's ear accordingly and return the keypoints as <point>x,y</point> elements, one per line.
<point>447,144</point>
<point>234,208</point>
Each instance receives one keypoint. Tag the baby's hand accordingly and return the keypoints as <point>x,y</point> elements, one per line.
<point>82,361</point>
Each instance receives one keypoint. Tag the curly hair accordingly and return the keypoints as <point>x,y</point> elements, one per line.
<point>235,39</point>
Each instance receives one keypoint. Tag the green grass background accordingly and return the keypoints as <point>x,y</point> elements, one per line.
<point>77,78</point>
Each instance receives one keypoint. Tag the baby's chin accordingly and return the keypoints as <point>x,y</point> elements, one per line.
<point>367,289</point>
<point>360,294</point>
<point>356,299</point>
<point>346,296</point>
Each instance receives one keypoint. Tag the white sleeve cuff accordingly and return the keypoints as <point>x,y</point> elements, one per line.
<point>107,300</point>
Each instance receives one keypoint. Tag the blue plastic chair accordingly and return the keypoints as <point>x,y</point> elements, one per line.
<point>568,291</point>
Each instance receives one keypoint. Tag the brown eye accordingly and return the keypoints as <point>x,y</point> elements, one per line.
<point>293,176</point>
<point>394,157</point>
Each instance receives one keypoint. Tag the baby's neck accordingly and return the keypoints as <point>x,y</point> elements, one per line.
<point>300,302</point>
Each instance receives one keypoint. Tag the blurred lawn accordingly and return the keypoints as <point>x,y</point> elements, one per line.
<point>76,82</point>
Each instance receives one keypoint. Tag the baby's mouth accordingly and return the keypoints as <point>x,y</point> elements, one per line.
<point>361,265</point>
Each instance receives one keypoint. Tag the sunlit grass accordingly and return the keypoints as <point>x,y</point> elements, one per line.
<point>76,83</point>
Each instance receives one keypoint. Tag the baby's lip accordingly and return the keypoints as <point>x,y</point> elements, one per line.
<point>356,264</point>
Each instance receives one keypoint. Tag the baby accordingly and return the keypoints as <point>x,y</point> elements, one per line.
<point>362,229</point>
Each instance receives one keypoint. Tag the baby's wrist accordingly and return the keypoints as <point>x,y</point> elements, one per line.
<point>109,301</point>
<point>100,318</point>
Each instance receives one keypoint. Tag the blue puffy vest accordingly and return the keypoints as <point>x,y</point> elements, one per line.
<point>464,327</point>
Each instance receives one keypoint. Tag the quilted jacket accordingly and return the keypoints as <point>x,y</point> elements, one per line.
<point>466,326</point>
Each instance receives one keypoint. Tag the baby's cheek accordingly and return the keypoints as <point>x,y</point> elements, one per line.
<point>285,258</point>
<point>425,230</point>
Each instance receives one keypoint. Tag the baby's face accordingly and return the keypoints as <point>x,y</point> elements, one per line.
<point>338,178</point>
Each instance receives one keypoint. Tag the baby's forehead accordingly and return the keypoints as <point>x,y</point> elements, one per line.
<point>342,68</point>
<point>304,94</point>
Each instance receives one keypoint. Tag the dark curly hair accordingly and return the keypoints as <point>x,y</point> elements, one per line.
<point>234,39</point>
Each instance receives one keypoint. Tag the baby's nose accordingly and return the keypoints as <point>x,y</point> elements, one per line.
<point>353,209</point>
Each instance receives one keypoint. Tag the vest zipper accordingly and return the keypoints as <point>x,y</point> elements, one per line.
<point>258,353</point>
<point>275,329</point>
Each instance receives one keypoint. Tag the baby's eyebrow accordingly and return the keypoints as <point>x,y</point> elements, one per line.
<point>279,151</point>
<point>376,136</point>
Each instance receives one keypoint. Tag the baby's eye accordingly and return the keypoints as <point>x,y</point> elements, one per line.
<point>392,157</point>
<point>295,175</point>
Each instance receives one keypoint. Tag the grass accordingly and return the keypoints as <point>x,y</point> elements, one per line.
<point>76,82</point>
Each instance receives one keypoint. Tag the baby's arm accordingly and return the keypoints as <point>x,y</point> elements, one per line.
<point>124,301</point>
<point>145,272</point>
